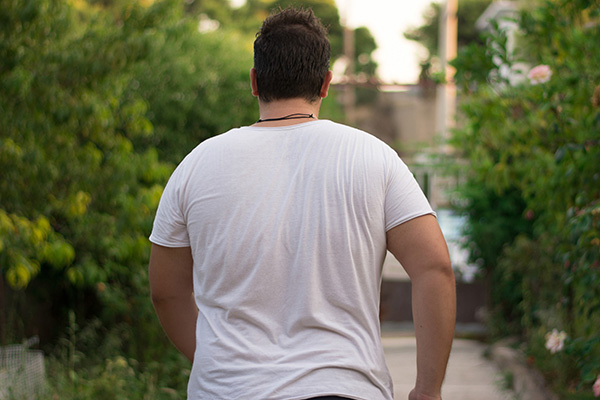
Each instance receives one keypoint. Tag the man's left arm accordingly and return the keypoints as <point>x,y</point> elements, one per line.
<point>171,285</point>
<point>420,247</point>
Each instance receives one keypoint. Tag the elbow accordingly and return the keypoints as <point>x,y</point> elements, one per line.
<point>443,274</point>
<point>440,269</point>
<point>160,297</point>
<point>157,298</point>
<point>437,280</point>
<point>445,268</point>
<point>445,271</point>
<point>164,290</point>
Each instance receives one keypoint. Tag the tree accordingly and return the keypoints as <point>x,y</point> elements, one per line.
<point>428,34</point>
<point>98,102</point>
<point>97,107</point>
<point>218,10</point>
<point>364,46</point>
<point>195,85</point>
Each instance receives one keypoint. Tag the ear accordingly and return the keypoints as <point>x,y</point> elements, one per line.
<point>326,83</point>
<point>253,84</point>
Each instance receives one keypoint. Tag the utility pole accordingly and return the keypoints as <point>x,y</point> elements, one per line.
<point>349,94</point>
<point>446,92</point>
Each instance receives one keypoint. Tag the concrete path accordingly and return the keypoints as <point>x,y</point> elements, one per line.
<point>470,376</point>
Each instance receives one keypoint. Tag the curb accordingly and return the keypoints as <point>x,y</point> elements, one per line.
<point>527,383</point>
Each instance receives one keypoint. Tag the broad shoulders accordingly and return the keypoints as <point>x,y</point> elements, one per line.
<point>325,131</point>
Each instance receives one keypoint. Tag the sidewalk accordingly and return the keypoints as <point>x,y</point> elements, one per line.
<point>470,376</point>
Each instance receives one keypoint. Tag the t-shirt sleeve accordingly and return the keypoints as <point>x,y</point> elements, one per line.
<point>404,198</point>
<point>170,229</point>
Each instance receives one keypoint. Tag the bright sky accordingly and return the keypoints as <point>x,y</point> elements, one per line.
<point>397,57</point>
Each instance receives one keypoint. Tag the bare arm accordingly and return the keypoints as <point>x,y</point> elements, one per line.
<point>421,249</point>
<point>171,284</point>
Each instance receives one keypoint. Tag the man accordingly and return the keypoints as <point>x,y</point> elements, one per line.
<point>269,241</point>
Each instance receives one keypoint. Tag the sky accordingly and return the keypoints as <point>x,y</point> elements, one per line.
<point>398,58</point>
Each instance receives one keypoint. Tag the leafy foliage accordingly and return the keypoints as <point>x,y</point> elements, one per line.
<point>97,107</point>
<point>87,364</point>
<point>98,102</point>
<point>194,85</point>
<point>428,34</point>
<point>534,155</point>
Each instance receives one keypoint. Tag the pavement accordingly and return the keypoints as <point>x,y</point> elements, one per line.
<point>470,374</point>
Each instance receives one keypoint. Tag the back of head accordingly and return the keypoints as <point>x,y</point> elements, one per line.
<point>291,56</point>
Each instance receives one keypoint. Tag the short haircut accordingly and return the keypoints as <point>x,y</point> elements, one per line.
<point>291,56</point>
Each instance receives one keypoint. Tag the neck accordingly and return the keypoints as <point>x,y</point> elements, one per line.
<point>281,108</point>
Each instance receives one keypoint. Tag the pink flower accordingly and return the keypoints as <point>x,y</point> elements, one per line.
<point>539,74</point>
<point>597,387</point>
<point>555,340</point>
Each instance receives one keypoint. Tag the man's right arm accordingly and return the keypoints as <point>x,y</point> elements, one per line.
<point>421,249</point>
<point>171,283</point>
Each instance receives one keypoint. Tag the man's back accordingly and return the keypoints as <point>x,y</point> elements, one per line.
<point>288,233</point>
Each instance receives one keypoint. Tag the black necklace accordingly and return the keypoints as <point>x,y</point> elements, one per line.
<point>291,116</point>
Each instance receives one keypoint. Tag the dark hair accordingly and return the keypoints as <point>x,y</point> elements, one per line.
<point>291,55</point>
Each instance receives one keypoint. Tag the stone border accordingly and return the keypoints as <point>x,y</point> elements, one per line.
<point>527,383</point>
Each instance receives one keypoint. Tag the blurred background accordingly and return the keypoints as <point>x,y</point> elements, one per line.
<point>494,105</point>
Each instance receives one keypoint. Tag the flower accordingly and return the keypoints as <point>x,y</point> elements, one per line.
<point>597,387</point>
<point>529,215</point>
<point>555,340</point>
<point>539,74</point>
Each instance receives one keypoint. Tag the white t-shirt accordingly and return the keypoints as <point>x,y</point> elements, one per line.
<point>287,228</point>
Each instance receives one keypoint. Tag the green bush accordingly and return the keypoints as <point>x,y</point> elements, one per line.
<point>87,363</point>
<point>532,190</point>
<point>98,102</point>
<point>97,107</point>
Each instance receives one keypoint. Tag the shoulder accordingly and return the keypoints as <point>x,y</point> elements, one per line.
<point>354,133</point>
<point>208,148</point>
<point>216,141</point>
